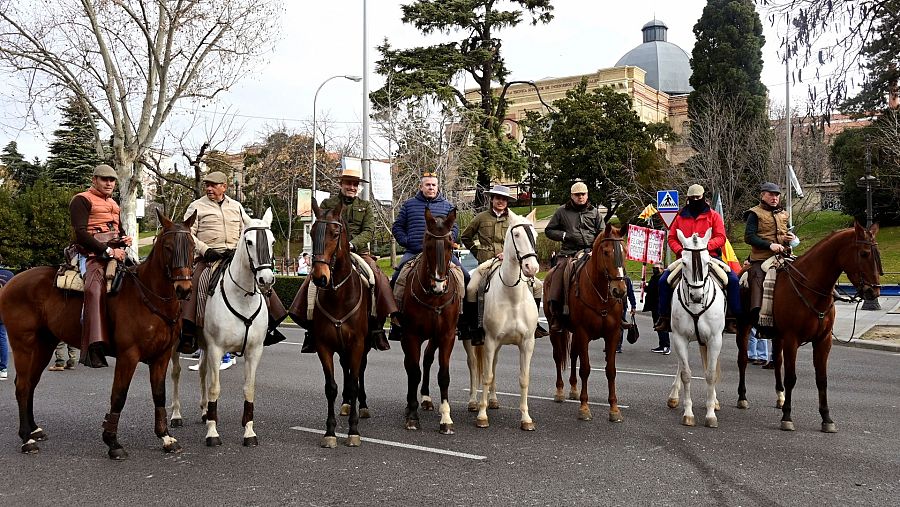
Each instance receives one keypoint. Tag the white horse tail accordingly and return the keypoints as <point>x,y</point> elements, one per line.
<point>479,362</point>
<point>718,364</point>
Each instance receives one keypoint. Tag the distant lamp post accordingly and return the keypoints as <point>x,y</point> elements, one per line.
<point>869,183</point>
<point>315,98</point>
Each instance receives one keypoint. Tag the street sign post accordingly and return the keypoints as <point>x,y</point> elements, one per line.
<point>667,204</point>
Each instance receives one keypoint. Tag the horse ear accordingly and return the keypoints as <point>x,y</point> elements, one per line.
<point>267,217</point>
<point>680,234</point>
<point>451,218</point>
<point>532,217</point>
<point>874,229</point>
<point>608,229</point>
<point>164,220</point>
<point>429,218</point>
<point>190,221</point>
<point>317,212</point>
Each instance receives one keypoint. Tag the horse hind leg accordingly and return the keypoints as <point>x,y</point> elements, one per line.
<point>790,380</point>
<point>472,360</point>
<point>427,361</point>
<point>574,394</point>
<point>363,405</point>
<point>176,420</point>
<point>493,402</point>
<point>675,391</point>
<point>742,338</point>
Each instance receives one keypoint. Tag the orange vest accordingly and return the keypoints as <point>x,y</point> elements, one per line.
<point>104,212</point>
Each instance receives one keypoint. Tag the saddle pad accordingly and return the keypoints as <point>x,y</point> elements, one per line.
<point>718,269</point>
<point>365,271</point>
<point>400,284</point>
<point>766,311</point>
<point>71,279</point>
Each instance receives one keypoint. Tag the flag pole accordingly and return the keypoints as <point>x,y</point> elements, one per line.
<point>787,121</point>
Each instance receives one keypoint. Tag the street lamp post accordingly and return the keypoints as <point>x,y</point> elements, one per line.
<point>315,98</point>
<point>870,183</point>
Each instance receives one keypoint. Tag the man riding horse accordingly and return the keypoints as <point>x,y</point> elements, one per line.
<point>575,224</point>
<point>98,238</point>
<point>217,231</point>
<point>485,236</point>
<point>697,217</point>
<point>768,234</point>
<point>359,216</point>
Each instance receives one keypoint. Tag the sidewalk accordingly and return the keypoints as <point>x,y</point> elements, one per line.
<point>889,315</point>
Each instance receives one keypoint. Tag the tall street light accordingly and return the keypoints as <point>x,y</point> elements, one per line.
<point>315,98</point>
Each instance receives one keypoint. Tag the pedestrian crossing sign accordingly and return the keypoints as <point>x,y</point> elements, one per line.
<point>667,200</point>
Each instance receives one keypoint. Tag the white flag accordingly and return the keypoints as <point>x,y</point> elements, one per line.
<point>794,182</point>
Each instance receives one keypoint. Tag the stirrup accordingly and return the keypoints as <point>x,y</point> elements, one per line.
<point>309,342</point>
<point>378,340</point>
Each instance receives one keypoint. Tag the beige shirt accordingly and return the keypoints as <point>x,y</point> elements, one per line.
<point>218,225</point>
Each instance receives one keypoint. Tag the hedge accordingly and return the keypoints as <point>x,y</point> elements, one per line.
<point>287,287</point>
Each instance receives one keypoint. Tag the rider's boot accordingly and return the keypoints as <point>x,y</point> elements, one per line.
<point>396,328</point>
<point>273,335</point>
<point>187,340</point>
<point>559,320</point>
<point>309,342</point>
<point>468,324</point>
<point>377,338</point>
<point>663,324</point>
<point>731,326</point>
<point>539,332</point>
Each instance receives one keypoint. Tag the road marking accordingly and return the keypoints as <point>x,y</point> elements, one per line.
<point>400,444</point>
<point>530,396</point>
<point>648,373</point>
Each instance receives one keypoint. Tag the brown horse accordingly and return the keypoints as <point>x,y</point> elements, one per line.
<point>596,297</point>
<point>804,311</point>
<point>340,318</point>
<point>430,312</point>
<point>143,320</point>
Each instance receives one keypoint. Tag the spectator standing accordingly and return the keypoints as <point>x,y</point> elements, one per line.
<point>5,276</point>
<point>62,361</point>
<point>651,301</point>
<point>303,264</point>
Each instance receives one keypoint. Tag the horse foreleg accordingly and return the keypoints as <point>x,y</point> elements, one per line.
<point>251,362</point>
<point>821,349</point>
<point>472,360</point>
<point>412,349</point>
<point>580,344</point>
<point>361,392</point>
<point>158,390</point>
<point>351,368</point>
<point>789,353</point>
<point>713,348</point>
<point>125,366</point>
<point>176,421</point>
<point>427,361</point>
<point>204,396</point>
<point>212,358</point>
<point>778,357</point>
<point>488,353</point>
<point>742,338</point>
<point>446,348</point>
<point>559,358</point>
<point>526,350</point>
<point>615,414</point>
<point>675,391</point>
<point>331,391</point>
<point>29,368</point>
<point>573,369</point>
<point>680,344</point>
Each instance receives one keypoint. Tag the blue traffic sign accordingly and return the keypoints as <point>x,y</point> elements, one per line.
<point>667,200</point>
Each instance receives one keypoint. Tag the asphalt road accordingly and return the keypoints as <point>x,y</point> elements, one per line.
<point>648,459</point>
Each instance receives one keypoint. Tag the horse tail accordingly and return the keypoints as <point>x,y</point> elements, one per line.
<point>479,362</point>
<point>566,346</point>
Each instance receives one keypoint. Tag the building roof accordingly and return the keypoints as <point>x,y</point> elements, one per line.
<point>668,66</point>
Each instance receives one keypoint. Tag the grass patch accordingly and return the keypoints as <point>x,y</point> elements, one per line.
<point>543,211</point>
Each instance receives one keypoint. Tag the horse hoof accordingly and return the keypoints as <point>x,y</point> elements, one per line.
<point>787,425</point>
<point>672,403</point>
<point>481,423</point>
<point>251,441</point>
<point>472,406</point>
<point>172,448</point>
<point>688,420</point>
<point>585,414</point>
<point>717,407</point>
<point>364,413</point>
<point>30,448</point>
<point>353,440</point>
<point>447,429</point>
<point>412,425</point>
<point>573,395</point>
<point>616,417</point>
<point>118,454</point>
<point>743,404</point>
<point>329,442</point>
<point>493,404</point>
<point>559,397</point>
<point>427,405</point>
<point>345,409</point>
<point>213,441</point>
<point>829,427</point>
<point>39,435</point>
<point>712,422</point>
<point>527,426</point>
<point>176,423</point>
<point>779,403</point>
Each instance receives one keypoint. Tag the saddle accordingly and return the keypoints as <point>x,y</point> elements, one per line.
<point>366,275</point>
<point>69,276</point>
<point>400,284</point>
<point>717,267</point>
<point>578,262</point>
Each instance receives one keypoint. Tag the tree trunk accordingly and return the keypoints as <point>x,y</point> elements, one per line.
<point>128,201</point>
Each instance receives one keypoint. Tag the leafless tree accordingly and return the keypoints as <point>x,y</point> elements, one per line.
<point>887,139</point>
<point>131,61</point>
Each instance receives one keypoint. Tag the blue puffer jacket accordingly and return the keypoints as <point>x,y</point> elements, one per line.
<point>409,227</point>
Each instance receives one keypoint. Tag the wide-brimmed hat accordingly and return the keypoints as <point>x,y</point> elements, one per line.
<point>695,190</point>
<point>354,173</point>
<point>579,188</point>
<point>105,171</point>
<point>501,191</point>
<point>216,177</point>
<point>770,187</point>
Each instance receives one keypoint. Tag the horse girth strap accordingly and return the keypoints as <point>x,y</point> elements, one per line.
<point>248,321</point>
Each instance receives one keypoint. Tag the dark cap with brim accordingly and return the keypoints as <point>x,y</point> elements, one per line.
<point>105,171</point>
<point>770,187</point>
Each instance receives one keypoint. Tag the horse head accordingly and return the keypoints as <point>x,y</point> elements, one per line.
<point>863,266</point>
<point>520,243</point>
<point>437,245</point>
<point>176,243</point>
<point>258,240</point>
<point>330,242</point>
<point>695,259</point>
<point>609,251</point>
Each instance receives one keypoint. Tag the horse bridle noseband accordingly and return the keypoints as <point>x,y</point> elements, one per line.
<point>697,272</point>
<point>521,258</point>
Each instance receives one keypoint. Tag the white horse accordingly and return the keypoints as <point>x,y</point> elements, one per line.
<point>510,317</point>
<point>236,320</point>
<point>698,314</point>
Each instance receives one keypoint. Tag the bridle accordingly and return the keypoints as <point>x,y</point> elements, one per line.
<point>263,254</point>
<point>859,261</point>
<point>441,256</point>
<point>182,258</point>
<point>519,256</point>
<point>706,303</point>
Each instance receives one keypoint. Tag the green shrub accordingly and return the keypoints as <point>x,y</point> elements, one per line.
<point>287,287</point>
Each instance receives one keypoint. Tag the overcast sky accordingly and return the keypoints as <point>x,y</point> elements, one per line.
<point>321,39</point>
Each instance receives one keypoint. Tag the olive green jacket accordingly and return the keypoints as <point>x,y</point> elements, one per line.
<point>485,235</point>
<point>360,221</point>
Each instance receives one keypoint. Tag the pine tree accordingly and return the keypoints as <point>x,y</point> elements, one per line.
<point>23,172</point>
<point>73,152</point>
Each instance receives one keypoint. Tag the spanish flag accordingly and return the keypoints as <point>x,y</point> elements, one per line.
<point>648,212</point>
<point>730,257</point>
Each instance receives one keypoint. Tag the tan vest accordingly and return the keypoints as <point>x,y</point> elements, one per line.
<point>773,227</point>
<point>217,226</point>
<point>104,215</point>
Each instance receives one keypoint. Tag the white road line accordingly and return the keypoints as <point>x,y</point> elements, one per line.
<point>551,399</point>
<point>648,373</point>
<point>400,444</point>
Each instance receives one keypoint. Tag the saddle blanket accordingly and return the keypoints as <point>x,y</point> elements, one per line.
<point>718,268</point>
<point>767,310</point>
<point>400,284</point>
<point>365,273</point>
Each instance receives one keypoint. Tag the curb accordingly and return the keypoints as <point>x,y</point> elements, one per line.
<point>868,344</point>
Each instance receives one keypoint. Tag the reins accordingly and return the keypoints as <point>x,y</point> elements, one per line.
<point>181,260</point>
<point>696,272</point>
<point>264,255</point>
<point>619,260</point>
<point>521,258</point>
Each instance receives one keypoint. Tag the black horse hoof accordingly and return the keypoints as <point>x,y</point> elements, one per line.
<point>447,429</point>
<point>203,418</point>
<point>412,424</point>
<point>118,454</point>
<point>251,442</point>
<point>213,441</point>
<point>172,448</point>
<point>30,448</point>
<point>176,423</point>
<point>39,435</point>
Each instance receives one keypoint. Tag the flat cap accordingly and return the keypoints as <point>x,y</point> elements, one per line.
<point>770,187</point>
<point>215,177</point>
<point>695,190</point>
<point>579,188</point>
<point>105,171</point>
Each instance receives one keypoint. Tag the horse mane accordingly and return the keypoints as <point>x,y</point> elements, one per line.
<point>826,243</point>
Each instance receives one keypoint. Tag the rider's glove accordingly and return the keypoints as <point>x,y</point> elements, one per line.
<point>212,256</point>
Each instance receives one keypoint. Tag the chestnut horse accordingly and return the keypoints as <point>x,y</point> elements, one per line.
<point>804,311</point>
<point>143,320</point>
<point>430,312</point>
<point>340,317</point>
<point>596,297</point>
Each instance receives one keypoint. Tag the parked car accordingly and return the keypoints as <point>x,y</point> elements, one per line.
<point>467,259</point>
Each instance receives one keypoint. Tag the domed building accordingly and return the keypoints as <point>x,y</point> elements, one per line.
<point>668,66</point>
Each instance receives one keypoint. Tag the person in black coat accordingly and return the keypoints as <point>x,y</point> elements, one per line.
<point>651,301</point>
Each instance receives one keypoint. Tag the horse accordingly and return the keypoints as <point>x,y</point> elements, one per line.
<point>143,320</point>
<point>596,298</point>
<point>804,311</point>
<point>236,321</point>
<point>431,304</point>
<point>340,318</point>
<point>698,314</point>
<point>510,317</point>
